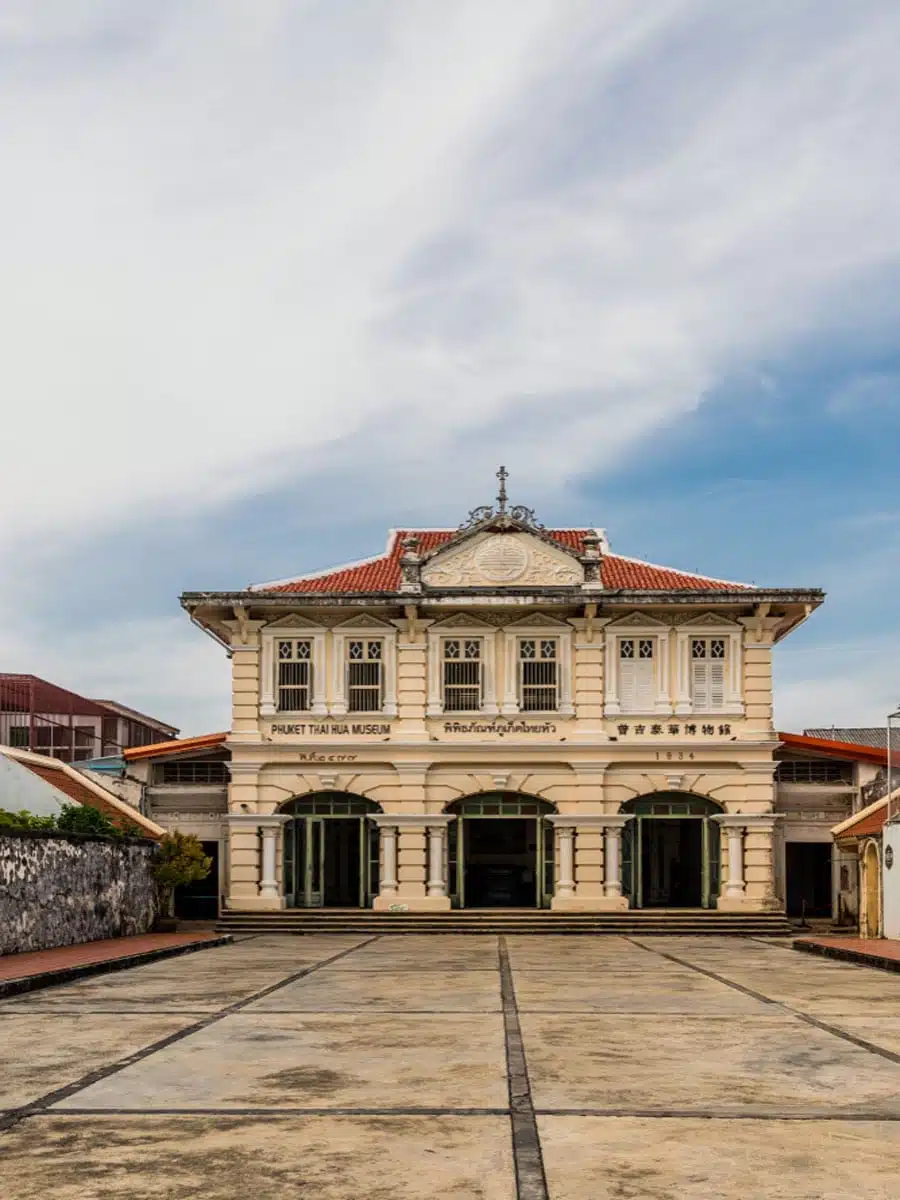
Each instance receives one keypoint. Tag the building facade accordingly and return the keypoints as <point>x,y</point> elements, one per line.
<point>47,719</point>
<point>502,715</point>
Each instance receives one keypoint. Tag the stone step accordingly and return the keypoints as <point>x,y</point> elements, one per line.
<point>509,922</point>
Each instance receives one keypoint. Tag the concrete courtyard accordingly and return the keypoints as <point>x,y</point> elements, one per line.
<point>400,1068</point>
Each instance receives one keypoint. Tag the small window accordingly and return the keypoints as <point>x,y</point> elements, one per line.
<point>191,773</point>
<point>538,674</point>
<point>295,675</point>
<point>636,674</point>
<point>708,673</point>
<point>365,675</point>
<point>462,662</point>
<point>18,736</point>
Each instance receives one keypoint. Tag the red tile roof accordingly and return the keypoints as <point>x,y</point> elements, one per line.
<point>382,573</point>
<point>65,779</point>
<point>869,824</point>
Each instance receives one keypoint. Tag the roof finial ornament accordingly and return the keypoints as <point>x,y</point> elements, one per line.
<point>502,475</point>
<point>503,516</point>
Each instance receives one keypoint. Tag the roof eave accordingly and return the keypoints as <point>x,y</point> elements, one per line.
<point>636,596</point>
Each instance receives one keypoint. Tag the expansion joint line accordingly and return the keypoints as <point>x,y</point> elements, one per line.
<point>39,1106</point>
<point>825,1027</point>
<point>531,1182</point>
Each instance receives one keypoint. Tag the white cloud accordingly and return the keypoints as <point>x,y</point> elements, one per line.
<point>244,241</point>
<point>845,684</point>
<point>210,211</point>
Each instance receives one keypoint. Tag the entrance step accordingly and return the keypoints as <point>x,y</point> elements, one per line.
<point>517,921</point>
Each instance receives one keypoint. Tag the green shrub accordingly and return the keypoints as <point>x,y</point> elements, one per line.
<point>84,818</point>
<point>180,860</point>
<point>25,820</point>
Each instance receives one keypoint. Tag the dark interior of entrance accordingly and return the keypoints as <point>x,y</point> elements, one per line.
<point>808,878</point>
<point>672,862</point>
<point>501,863</point>
<point>342,865</point>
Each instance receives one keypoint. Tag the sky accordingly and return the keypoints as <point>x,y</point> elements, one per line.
<point>277,276</point>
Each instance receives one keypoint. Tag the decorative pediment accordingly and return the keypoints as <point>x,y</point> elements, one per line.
<point>362,621</point>
<point>293,621</point>
<point>715,620</point>
<point>638,620</point>
<point>462,621</point>
<point>505,559</point>
<point>539,621</point>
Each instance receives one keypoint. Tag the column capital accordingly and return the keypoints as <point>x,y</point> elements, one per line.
<point>747,820</point>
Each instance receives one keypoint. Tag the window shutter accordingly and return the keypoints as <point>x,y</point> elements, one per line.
<point>700,685</point>
<point>636,679</point>
<point>716,684</point>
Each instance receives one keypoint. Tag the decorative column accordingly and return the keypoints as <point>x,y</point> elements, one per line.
<point>253,853</point>
<point>388,882</point>
<point>413,863</point>
<point>750,882</point>
<point>436,883</point>
<point>268,884</point>
<point>591,843</point>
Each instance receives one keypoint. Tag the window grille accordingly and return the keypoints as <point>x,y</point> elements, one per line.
<point>295,676</point>
<point>191,772</point>
<point>538,674</point>
<point>462,674</point>
<point>365,675</point>
<point>708,673</point>
<point>636,674</point>
<point>814,771</point>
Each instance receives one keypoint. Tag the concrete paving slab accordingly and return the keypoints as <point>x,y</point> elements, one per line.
<point>268,1060</point>
<point>220,1158</point>
<point>594,1158</point>
<point>388,991</point>
<point>768,1065</point>
<point>39,1053</point>
<point>662,991</point>
<point>880,1031</point>
<point>412,952</point>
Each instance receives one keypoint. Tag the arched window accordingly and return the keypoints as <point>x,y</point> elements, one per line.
<point>671,804</point>
<point>330,804</point>
<point>500,804</point>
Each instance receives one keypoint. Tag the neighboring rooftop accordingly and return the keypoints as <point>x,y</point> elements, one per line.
<point>875,735</point>
<point>62,785</point>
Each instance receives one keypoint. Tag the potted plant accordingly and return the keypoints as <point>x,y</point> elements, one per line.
<point>179,860</point>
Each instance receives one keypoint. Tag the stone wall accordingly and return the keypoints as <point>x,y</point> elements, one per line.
<point>60,889</point>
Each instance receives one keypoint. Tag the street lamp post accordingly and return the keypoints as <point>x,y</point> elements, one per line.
<point>894,716</point>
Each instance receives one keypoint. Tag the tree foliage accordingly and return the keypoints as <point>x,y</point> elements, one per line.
<point>180,860</point>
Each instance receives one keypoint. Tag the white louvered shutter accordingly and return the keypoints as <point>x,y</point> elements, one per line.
<point>708,674</point>
<point>636,679</point>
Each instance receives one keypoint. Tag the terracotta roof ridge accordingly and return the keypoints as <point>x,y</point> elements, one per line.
<point>847,824</point>
<point>678,570</point>
<point>44,763</point>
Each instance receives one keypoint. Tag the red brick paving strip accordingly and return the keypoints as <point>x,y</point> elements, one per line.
<point>870,952</point>
<point>55,965</point>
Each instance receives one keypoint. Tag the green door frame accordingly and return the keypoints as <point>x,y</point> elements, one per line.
<point>306,835</point>
<point>709,861</point>
<point>542,897</point>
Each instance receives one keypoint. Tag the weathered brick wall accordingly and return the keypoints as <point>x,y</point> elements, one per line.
<point>60,889</point>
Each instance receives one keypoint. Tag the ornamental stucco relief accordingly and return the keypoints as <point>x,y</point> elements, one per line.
<point>502,560</point>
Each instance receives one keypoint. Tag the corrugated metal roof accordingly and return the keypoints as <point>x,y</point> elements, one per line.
<point>875,736</point>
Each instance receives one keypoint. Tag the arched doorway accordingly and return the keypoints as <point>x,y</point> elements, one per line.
<point>500,851</point>
<point>670,851</point>
<point>872,866</point>
<point>330,851</point>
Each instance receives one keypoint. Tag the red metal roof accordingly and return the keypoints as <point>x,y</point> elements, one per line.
<point>382,573</point>
<point>205,741</point>
<point>849,750</point>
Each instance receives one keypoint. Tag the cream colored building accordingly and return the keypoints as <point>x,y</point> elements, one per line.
<point>502,715</point>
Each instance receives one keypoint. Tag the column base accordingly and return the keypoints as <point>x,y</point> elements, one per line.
<point>748,904</point>
<point>589,903</point>
<point>404,904</point>
<point>254,903</point>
